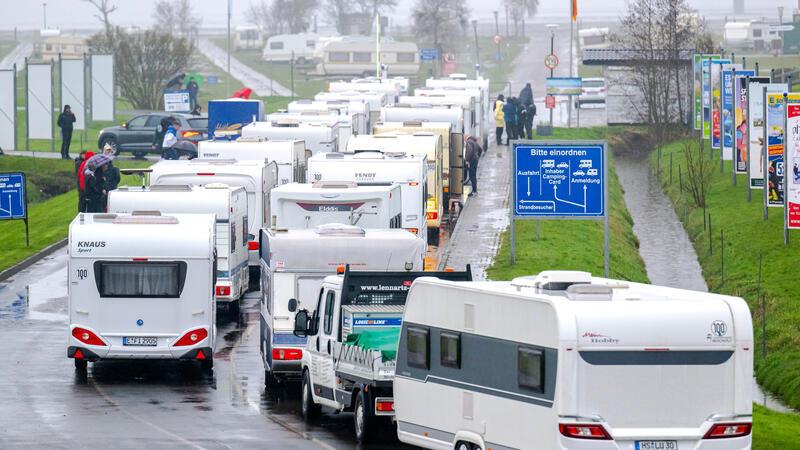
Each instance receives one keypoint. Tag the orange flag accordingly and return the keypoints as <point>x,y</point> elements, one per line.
<point>574,10</point>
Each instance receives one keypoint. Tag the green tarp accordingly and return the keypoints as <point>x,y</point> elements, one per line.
<point>382,339</point>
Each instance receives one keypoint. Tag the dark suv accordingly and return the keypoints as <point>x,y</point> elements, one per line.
<point>136,136</point>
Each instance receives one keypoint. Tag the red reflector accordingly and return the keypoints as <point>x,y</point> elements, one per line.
<point>140,259</point>
<point>252,245</point>
<point>205,174</point>
<point>728,430</point>
<point>384,406</point>
<point>287,354</point>
<point>86,336</point>
<point>223,290</point>
<point>413,230</point>
<point>78,354</point>
<point>432,215</point>
<point>191,338</point>
<point>583,431</point>
<point>413,183</point>
<point>200,355</point>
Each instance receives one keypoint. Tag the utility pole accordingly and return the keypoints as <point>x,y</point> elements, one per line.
<point>228,72</point>
<point>507,21</point>
<point>780,22</point>
<point>497,36</point>
<point>475,32</point>
<point>552,28</point>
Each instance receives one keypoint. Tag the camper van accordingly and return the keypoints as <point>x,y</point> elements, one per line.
<point>247,37</point>
<point>319,137</point>
<point>358,111</point>
<point>356,57</point>
<point>570,361</point>
<point>281,48</point>
<point>343,122</point>
<point>289,155</point>
<point>293,265</point>
<point>141,286</point>
<point>309,205</point>
<point>228,204</point>
<point>421,143</point>
<point>257,178</point>
<point>371,168</point>
<point>374,100</point>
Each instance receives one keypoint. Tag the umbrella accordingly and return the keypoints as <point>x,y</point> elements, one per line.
<point>99,160</point>
<point>243,93</point>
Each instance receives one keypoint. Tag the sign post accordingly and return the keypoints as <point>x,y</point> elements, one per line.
<point>561,180</point>
<point>14,199</point>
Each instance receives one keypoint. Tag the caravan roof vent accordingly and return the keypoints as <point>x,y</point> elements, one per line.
<point>217,186</point>
<point>170,188</point>
<point>339,229</point>
<point>590,292</point>
<point>553,280</point>
<point>219,162</point>
<point>334,155</point>
<point>334,185</point>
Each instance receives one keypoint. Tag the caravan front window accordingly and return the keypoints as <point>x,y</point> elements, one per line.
<point>276,45</point>
<point>339,57</point>
<point>405,57</point>
<point>362,57</point>
<point>140,279</point>
<point>450,349</point>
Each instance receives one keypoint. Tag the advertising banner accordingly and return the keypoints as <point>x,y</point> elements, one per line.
<point>699,91</point>
<point>8,110</point>
<point>715,89</point>
<point>40,101</point>
<point>740,122</point>
<point>564,86</point>
<point>793,164</point>
<point>102,87</point>
<point>776,112</point>
<point>706,92</point>
<point>755,128</point>
<point>729,111</point>
<point>73,90</point>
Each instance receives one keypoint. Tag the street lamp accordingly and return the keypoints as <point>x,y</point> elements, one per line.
<point>477,54</point>
<point>497,36</point>
<point>44,14</point>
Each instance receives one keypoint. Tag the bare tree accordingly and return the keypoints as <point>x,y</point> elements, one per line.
<point>519,10</point>
<point>698,171</point>
<point>104,9</point>
<point>375,7</point>
<point>440,22</point>
<point>177,15</point>
<point>336,13</point>
<point>144,62</point>
<point>283,16</point>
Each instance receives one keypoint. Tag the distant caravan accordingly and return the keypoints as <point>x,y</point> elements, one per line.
<point>356,57</point>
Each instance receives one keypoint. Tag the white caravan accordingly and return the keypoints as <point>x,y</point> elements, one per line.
<point>319,137</point>
<point>460,81</point>
<point>247,37</point>
<point>256,177</point>
<point>141,287</point>
<point>374,100</point>
<point>569,361</point>
<point>228,204</point>
<point>467,124</point>
<point>358,110</point>
<point>356,57</point>
<point>293,265</point>
<point>281,47</point>
<point>343,122</point>
<point>422,143</point>
<point>290,155</point>
<point>370,168</point>
<point>480,122</point>
<point>309,205</point>
<point>393,87</point>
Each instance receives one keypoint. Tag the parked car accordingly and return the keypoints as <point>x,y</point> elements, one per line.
<point>136,135</point>
<point>593,92</point>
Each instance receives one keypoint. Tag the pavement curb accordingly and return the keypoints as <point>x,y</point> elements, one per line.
<point>31,260</point>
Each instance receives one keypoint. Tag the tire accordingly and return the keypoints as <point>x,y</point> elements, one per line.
<point>308,408</point>
<point>139,155</point>
<point>363,420</point>
<point>81,365</point>
<point>110,140</point>
<point>461,445</point>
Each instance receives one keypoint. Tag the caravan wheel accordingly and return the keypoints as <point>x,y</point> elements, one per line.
<point>466,446</point>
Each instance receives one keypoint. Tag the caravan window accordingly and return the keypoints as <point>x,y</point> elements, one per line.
<point>311,44</point>
<point>140,279</point>
<point>450,350</point>
<point>245,234</point>
<point>530,369</point>
<point>362,57</point>
<point>417,347</point>
<point>339,57</point>
<point>330,301</point>
<point>232,237</point>
<point>405,57</point>
<point>276,45</point>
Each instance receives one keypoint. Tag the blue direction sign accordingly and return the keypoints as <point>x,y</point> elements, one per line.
<point>428,54</point>
<point>559,180</point>
<point>12,196</point>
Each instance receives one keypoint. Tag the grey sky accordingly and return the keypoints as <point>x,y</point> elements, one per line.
<point>67,14</point>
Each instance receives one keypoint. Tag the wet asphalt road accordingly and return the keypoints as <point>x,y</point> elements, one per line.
<point>155,404</point>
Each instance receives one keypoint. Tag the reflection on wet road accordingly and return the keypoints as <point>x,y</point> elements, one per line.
<point>125,404</point>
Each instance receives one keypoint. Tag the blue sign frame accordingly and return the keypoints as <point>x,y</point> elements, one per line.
<point>13,196</point>
<point>428,54</point>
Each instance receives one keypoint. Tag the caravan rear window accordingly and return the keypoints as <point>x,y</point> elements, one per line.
<point>140,279</point>
<point>340,57</point>
<point>276,45</point>
<point>362,57</point>
<point>405,57</point>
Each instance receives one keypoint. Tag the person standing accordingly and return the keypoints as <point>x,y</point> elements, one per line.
<point>111,172</point>
<point>472,157</point>
<point>78,164</point>
<point>499,118</point>
<point>65,121</point>
<point>169,150</point>
<point>526,95</point>
<point>530,114</point>
<point>510,116</point>
<point>158,139</point>
<point>96,193</point>
<point>193,89</point>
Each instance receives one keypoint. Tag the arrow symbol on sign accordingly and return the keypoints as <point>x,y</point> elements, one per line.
<point>529,186</point>
<point>555,194</point>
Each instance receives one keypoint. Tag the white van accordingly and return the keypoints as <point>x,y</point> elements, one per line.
<point>256,177</point>
<point>141,286</point>
<point>319,137</point>
<point>290,154</point>
<point>293,265</point>
<point>374,100</point>
<point>569,361</point>
<point>228,204</point>
<point>357,110</point>
<point>281,47</point>
<point>342,122</point>
<point>370,168</point>
<point>421,143</point>
<point>357,57</point>
<point>309,205</point>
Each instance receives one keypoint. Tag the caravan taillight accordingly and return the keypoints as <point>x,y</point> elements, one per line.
<point>86,336</point>
<point>252,245</point>
<point>191,338</point>
<point>728,430</point>
<point>223,291</point>
<point>583,431</point>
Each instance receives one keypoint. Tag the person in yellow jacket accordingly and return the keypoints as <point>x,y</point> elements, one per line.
<point>499,118</point>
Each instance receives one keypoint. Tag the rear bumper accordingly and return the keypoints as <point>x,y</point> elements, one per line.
<point>115,349</point>
<point>743,443</point>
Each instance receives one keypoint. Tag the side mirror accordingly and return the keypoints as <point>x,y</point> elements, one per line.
<point>292,304</point>
<point>301,323</point>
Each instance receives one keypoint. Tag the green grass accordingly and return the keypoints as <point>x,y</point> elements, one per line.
<point>575,244</point>
<point>773,430</point>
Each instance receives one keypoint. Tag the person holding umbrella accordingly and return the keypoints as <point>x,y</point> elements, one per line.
<point>95,175</point>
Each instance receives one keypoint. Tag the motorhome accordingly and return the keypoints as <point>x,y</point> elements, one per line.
<point>374,100</point>
<point>752,35</point>
<point>283,47</point>
<point>229,206</point>
<point>358,110</point>
<point>350,364</point>
<point>479,121</point>
<point>357,57</point>
<point>290,155</point>
<point>141,286</point>
<point>319,137</point>
<point>247,37</point>
<point>460,81</point>
<point>343,122</point>
<point>422,143</point>
<point>582,362</point>
<point>370,168</point>
<point>298,205</point>
<point>293,265</point>
<point>257,178</point>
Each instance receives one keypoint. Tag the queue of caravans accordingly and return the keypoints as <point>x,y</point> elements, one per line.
<point>338,237</point>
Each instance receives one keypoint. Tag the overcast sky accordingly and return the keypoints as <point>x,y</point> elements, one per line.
<point>79,14</point>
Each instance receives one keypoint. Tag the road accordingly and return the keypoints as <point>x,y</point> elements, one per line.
<point>17,56</point>
<point>256,81</point>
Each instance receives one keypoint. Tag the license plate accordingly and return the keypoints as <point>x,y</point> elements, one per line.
<point>656,445</point>
<point>140,341</point>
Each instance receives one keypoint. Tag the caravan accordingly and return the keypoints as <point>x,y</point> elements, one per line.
<point>319,137</point>
<point>283,47</point>
<point>141,286</point>
<point>356,57</point>
<point>466,125</point>
<point>293,265</point>
<point>247,37</point>
<point>343,122</point>
<point>569,361</point>
<point>374,100</point>
<point>309,205</point>
<point>356,110</point>
<point>228,204</point>
<point>290,155</point>
<point>478,122</point>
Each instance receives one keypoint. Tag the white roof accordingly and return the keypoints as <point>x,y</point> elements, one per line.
<point>214,198</point>
<point>419,143</point>
<point>365,157</point>
<point>209,167</point>
<point>463,101</point>
<point>331,190</point>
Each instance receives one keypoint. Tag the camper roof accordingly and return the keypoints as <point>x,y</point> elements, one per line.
<point>331,189</point>
<point>211,198</point>
<point>208,167</point>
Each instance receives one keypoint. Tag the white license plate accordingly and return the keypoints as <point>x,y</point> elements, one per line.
<point>656,445</point>
<point>140,341</point>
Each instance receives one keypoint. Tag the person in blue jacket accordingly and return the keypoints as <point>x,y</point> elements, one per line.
<point>511,113</point>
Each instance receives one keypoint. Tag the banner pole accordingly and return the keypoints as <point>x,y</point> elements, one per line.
<point>27,109</point>
<point>765,156</point>
<point>14,102</point>
<point>786,172</point>
<point>53,103</point>
<point>511,192</point>
<point>721,127</point>
<point>733,137</point>
<point>747,127</point>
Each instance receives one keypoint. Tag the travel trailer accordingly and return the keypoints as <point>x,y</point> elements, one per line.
<point>357,110</point>
<point>281,48</point>
<point>290,155</point>
<point>247,37</point>
<point>393,87</point>
<point>256,177</point>
<point>298,205</point>
<point>374,100</point>
<point>141,286</point>
<point>467,124</point>
<point>753,35</point>
<point>361,314</point>
<point>421,143</point>
<point>319,137</point>
<point>343,122</point>
<point>582,362</point>
<point>356,57</point>
<point>293,265</point>
<point>229,206</point>
<point>460,81</point>
<point>479,120</point>
<point>371,168</point>
<point>593,38</point>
